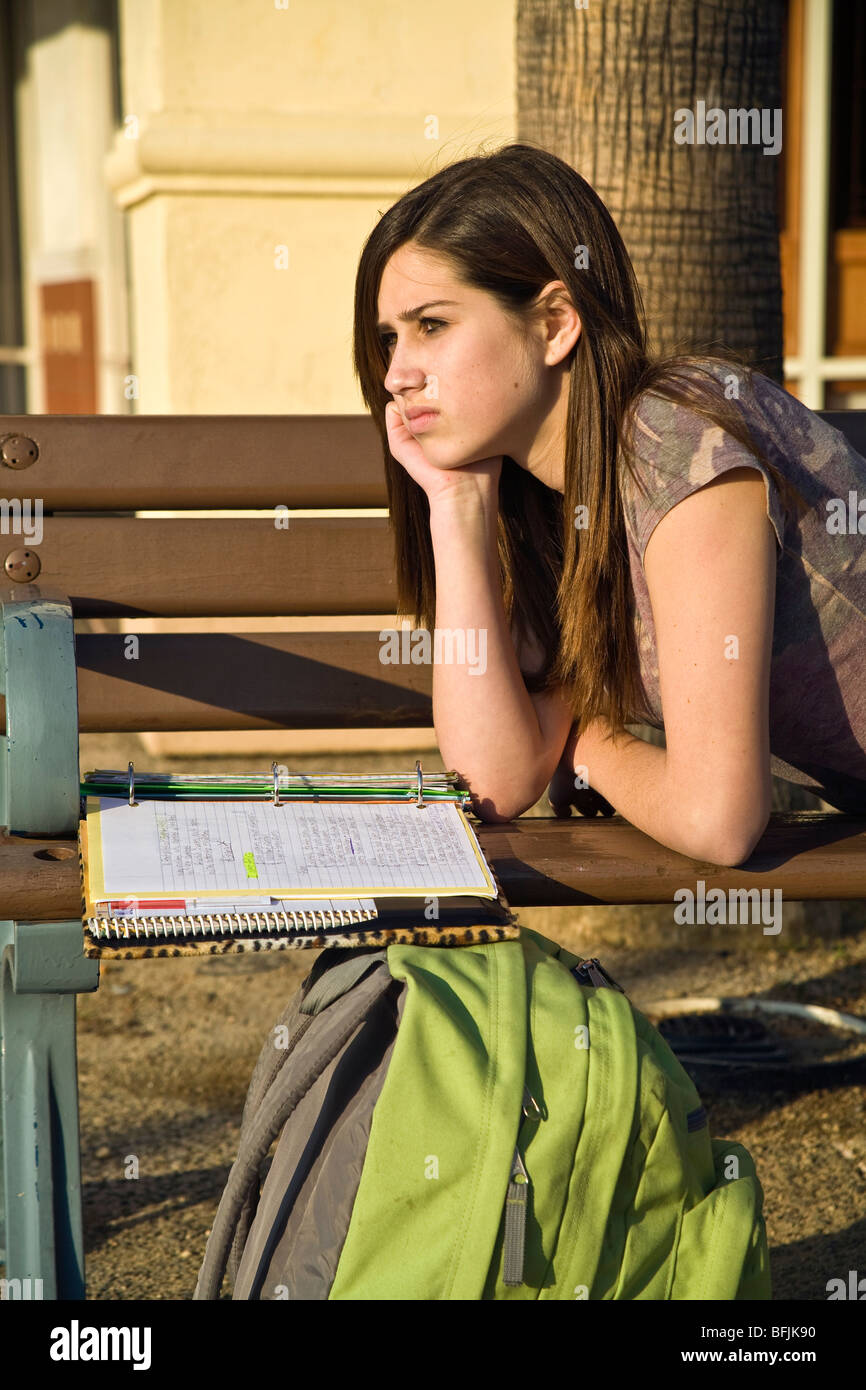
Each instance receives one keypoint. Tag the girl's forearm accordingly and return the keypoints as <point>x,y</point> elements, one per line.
<point>486,724</point>
<point>634,776</point>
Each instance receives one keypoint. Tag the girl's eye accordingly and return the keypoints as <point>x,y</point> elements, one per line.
<point>387,338</point>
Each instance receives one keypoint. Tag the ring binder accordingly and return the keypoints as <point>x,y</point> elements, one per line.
<point>467,914</point>
<point>420,801</point>
<point>134,787</point>
<point>472,908</point>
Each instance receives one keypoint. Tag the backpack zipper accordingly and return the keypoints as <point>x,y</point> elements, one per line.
<point>516,1198</point>
<point>588,972</point>
<point>592,972</point>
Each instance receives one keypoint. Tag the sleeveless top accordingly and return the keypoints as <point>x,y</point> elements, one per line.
<point>818,668</point>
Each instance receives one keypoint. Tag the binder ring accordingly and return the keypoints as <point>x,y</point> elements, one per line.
<point>131,786</point>
<point>276,784</point>
<point>420,799</point>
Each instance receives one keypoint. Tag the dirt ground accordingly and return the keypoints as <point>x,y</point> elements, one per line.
<point>166,1050</point>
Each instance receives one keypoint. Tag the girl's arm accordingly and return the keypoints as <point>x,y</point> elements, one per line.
<point>504,743</point>
<point>710,566</point>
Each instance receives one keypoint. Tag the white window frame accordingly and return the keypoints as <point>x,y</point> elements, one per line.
<point>811,368</point>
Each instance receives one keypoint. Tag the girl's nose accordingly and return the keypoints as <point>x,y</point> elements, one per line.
<point>403,381</point>
<point>403,376</point>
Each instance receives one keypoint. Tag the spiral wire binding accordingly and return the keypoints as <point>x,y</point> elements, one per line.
<point>103,928</point>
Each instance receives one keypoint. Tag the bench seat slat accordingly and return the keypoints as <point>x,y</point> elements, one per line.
<point>577,860</point>
<point>545,862</point>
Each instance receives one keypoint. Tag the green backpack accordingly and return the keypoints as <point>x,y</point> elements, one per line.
<point>490,1121</point>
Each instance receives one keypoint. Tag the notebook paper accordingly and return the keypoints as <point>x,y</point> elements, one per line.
<point>230,849</point>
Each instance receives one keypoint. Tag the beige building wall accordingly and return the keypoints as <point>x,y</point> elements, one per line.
<point>261,142</point>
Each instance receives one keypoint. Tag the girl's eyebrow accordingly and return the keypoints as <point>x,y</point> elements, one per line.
<point>408,315</point>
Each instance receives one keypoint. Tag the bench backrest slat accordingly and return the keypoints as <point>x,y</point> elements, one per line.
<point>274,680</point>
<point>175,462</point>
<point>218,567</point>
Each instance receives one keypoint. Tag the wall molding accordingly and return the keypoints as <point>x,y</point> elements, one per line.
<point>301,154</point>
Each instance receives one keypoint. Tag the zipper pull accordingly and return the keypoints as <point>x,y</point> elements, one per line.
<point>516,1200</point>
<point>531,1108</point>
<point>592,972</point>
<point>515,1222</point>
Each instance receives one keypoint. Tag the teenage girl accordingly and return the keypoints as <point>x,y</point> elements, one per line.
<point>676,542</point>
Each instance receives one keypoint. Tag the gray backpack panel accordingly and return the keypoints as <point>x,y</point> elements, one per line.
<point>340,1036</point>
<point>303,1215</point>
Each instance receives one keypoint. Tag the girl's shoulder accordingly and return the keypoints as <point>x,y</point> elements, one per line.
<point>790,435</point>
<point>675,447</point>
<point>681,416</point>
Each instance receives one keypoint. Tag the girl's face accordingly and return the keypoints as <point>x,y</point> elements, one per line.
<point>494,389</point>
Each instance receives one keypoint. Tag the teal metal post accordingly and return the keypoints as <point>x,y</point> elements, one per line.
<point>42,964</point>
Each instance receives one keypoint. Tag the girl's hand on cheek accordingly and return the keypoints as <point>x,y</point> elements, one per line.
<point>481,477</point>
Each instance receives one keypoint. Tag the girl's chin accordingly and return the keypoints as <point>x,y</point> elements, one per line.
<point>448,465</point>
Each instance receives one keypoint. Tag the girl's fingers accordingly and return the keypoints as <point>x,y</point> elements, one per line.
<point>591,803</point>
<point>585,801</point>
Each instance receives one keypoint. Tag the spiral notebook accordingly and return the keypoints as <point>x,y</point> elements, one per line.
<point>185,865</point>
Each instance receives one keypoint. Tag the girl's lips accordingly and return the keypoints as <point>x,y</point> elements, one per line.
<point>422,422</point>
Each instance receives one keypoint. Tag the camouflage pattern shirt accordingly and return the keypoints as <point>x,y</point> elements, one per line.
<point>818,671</point>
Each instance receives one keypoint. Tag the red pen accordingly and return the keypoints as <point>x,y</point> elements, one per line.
<point>147,902</point>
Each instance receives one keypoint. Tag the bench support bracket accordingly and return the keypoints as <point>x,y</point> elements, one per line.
<point>43,966</point>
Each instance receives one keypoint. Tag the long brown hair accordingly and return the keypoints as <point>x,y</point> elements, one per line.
<point>509,222</point>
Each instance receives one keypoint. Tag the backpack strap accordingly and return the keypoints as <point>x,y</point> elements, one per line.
<point>263,1124</point>
<point>335,970</point>
<point>341,974</point>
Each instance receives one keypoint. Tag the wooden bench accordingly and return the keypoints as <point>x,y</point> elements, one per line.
<point>95,558</point>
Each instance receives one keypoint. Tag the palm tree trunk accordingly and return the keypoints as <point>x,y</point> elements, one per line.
<point>601,86</point>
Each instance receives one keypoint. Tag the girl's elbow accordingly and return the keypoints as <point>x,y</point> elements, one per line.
<point>735,842</point>
<point>499,811</point>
